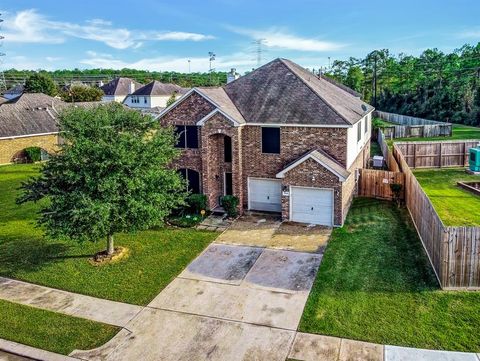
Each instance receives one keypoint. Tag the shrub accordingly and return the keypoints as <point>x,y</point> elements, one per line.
<point>196,202</point>
<point>230,204</point>
<point>34,154</point>
<point>397,192</point>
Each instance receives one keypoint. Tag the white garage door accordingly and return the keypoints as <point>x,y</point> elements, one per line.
<point>312,205</point>
<point>265,195</point>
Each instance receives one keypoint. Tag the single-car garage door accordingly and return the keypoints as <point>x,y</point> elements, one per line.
<point>312,205</point>
<point>265,194</point>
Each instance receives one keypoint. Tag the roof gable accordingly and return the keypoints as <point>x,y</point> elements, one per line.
<point>157,88</point>
<point>120,86</point>
<point>321,158</point>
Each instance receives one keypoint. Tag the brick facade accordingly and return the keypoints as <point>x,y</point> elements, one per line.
<point>249,161</point>
<point>312,174</point>
<point>9,148</point>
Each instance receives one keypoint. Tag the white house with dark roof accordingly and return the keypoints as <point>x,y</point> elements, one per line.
<point>153,95</point>
<point>118,89</point>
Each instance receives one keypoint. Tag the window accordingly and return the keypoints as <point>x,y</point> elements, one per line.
<point>227,149</point>
<point>145,100</point>
<point>187,136</point>
<point>228,184</point>
<point>193,179</point>
<point>271,140</point>
<point>366,125</point>
<point>359,131</point>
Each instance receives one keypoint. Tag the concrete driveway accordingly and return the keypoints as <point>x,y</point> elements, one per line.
<point>267,230</point>
<point>231,303</point>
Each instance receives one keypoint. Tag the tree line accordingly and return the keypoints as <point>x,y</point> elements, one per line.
<point>434,85</point>
<point>94,76</point>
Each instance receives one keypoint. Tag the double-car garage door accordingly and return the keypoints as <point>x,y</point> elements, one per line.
<point>307,205</point>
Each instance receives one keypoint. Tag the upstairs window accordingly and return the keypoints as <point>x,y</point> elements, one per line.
<point>145,100</point>
<point>359,131</point>
<point>271,140</point>
<point>187,136</point>
<point>366,125</point>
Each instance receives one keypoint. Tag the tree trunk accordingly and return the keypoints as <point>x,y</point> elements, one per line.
<point>110,247</point>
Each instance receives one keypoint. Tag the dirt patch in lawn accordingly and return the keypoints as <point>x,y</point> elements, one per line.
<point>102,257</point>
<point>266,230</point>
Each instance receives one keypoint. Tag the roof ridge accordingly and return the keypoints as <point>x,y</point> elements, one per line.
<point>321,151</point>
<point>231,100</point>
<point>314,92</point>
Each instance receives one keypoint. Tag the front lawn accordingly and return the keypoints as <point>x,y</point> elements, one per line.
<point>51,331</point>
<point>155,256</point>
<point>375,284</point>
<point>455,206</point>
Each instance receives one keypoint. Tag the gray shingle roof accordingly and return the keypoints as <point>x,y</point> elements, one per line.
<point>157,88</point>
<point>282,92</point>
<point>16,89</point>
<point>33,113</point>
<point>221,99</point>
<point>120,86</point>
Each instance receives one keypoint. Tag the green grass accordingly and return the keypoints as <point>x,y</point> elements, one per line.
<point>454,205</point>
<point>378,123</point>
<point>375,284</point>
<point>155,256</point>
<point>375,149</point>
<point>51,331</point>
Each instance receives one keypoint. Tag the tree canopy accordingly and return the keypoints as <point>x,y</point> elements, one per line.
<point>40,83</point>
<point>111,175</point>
<point>82,93</point>
<point>433,85</point>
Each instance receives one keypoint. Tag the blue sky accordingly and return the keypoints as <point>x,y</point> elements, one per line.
<point>164,35</point>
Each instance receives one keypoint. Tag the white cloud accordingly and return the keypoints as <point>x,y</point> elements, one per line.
<point>470,34</point>
<point>29,26</point>
<point>182,36</point>
<point>170,63</point>
<point>281,39</point>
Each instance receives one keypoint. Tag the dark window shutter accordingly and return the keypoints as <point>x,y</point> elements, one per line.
<point>271,140</point>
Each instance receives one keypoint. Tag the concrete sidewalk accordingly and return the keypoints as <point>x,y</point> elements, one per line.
<point>73,304</point>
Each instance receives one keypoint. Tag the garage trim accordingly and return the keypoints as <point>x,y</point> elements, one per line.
<point>290,203</point>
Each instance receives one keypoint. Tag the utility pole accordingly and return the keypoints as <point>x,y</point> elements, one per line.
<point>3,84</point>
<point>188,66</point>
<point>259,51</point>
<point>375,80</point>
<point>211,56</point>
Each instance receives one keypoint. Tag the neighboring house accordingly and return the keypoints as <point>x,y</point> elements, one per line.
<point>280,139</point>
<point>153,95</point>
<point>118,89</point>
<point>14,92</point>
<point>30,120</point>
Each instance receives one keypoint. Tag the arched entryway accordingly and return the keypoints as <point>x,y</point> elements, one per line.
<point>30,155</point>
<point>220,158</point>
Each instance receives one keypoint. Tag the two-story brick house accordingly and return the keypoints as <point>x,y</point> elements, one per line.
<point>280,139</point>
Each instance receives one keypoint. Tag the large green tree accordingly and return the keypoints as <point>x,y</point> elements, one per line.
<point>112,175</point>
<point>40,83</point>
<point>82,93</point>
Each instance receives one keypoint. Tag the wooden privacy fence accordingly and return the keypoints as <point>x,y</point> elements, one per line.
<point>453,153</point>
<point>412,127</point>
<point>376,183</point>
<point>454,252</point>
<point>387,154</point>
